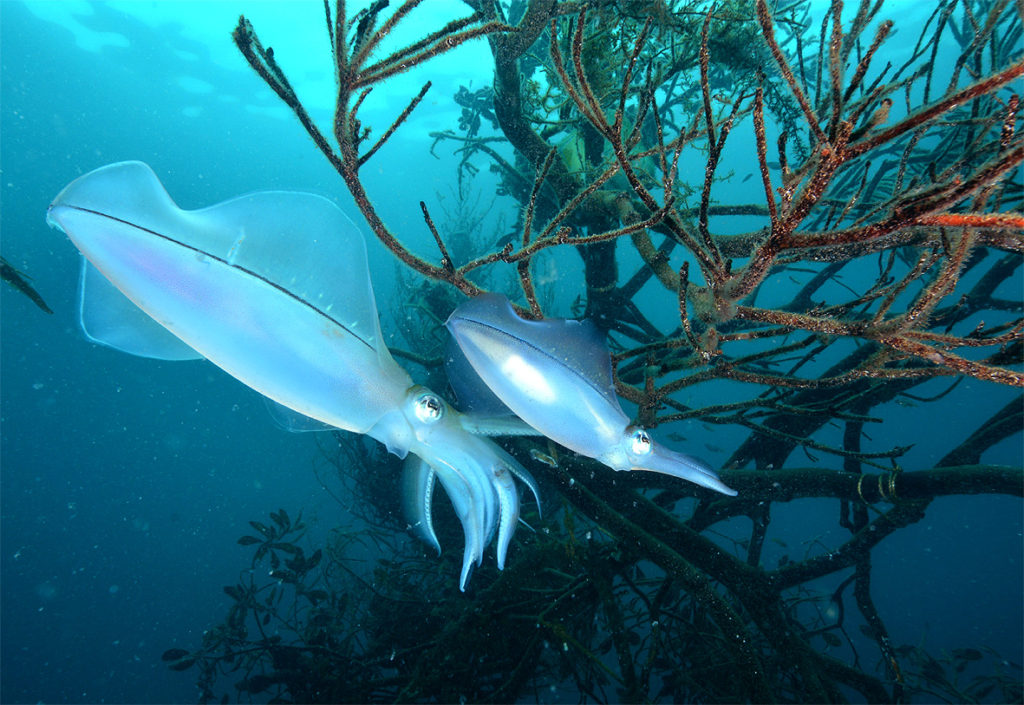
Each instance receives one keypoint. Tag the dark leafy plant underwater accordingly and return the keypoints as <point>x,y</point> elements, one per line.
<point>625,591</point>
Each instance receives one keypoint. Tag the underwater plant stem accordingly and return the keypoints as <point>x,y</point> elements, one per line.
<point>768,31</point>
<point>394,126</point>
<point>762,157</point>
<point>751,671</point>
<point>981,87</point>
<point>446,259</point>
<point>867,608</point>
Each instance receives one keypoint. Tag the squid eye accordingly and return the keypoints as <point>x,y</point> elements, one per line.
<point>429,408</point>
<point>639,442</point>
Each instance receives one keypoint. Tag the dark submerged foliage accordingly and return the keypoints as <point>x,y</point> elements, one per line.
<point>617,596</point>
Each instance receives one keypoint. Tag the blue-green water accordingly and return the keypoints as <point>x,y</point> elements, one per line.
<point>125,482</point>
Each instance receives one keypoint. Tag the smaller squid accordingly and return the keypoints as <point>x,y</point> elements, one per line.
<point>556,375</point>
